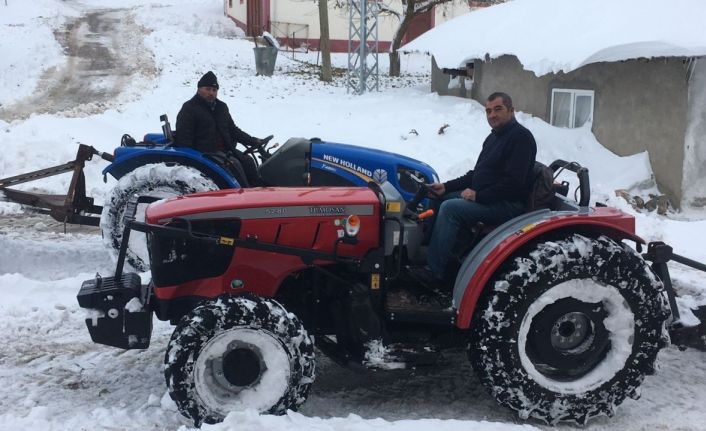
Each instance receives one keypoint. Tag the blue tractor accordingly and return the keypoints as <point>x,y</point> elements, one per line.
<point>154,168</point>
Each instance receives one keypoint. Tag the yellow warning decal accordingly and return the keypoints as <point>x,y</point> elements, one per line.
<point>375,281</point>
<point>224,240</point>
<point>393,207</point>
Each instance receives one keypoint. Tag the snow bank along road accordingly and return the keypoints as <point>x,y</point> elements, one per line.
<point>104,51</point>
<point>51,374</point>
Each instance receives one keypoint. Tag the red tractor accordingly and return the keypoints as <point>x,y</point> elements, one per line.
<point>561,317</point>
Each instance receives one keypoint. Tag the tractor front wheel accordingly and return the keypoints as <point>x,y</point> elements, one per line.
<point>568,329</point>
<point>235,353</point>
<point>155,180</point>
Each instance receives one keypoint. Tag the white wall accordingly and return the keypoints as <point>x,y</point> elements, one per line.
<point>239,10</point>
<point>301,17</point>
<point>450,11</point>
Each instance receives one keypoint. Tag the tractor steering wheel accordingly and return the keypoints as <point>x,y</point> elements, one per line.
<point>260,148</point>
<point>423,192</point>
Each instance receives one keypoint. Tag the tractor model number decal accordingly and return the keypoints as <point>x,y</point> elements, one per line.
<point>275,211</point>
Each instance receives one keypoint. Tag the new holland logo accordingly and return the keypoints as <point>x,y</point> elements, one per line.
<point>380,176</point>
<point>348,165</point>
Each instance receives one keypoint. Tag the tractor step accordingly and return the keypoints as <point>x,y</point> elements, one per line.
<point>405,306</point>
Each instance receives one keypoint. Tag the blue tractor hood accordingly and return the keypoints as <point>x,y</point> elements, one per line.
<point>360,165</point>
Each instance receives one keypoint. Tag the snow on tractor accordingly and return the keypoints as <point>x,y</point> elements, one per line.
<point>561,317</point>
<point>155,168</point>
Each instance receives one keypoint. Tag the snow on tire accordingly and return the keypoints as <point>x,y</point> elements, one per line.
<point>568,329</point>
<point>156,180</point>
<point>235,353</point>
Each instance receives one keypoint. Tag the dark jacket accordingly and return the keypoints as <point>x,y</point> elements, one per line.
<point>208,129</point>
<point>504,166</point>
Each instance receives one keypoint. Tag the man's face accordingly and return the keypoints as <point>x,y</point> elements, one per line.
<point>209,94</point>
<point>497,113</point>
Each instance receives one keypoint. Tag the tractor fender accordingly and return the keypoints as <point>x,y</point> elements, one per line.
<point>128,159</point>
<point>498,246</point>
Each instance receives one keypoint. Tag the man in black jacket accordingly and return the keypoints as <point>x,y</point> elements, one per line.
<point>492,193</point>
<point>204,124</point>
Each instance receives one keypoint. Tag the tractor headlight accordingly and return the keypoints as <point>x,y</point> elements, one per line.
<point>352,225</point>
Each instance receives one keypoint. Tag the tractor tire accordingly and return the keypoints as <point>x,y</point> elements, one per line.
<point>236,353</point>
<point>568,328</point>
<point>155,180</point>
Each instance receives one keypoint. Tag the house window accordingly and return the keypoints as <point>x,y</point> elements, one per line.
<point>571,108</point>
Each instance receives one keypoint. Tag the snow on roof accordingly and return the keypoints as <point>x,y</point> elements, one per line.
<point>550,36</point>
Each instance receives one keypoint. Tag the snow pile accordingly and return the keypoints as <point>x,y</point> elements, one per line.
<point>377,355</point>
<point>549,36</point>
<point>27,45</point>
<point>189,18</point>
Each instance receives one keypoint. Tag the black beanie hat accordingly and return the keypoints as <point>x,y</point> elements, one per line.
<point>208,80</point>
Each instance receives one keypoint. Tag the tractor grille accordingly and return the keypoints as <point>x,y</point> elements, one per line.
<point>178,260</point>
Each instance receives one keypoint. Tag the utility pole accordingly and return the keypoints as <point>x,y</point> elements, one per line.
<point>363,40</point>
<point>324,42</point>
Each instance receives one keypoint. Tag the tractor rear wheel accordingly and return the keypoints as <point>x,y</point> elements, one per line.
<point>568,329</point>
<point>235,353</point>
<point>155,180</point>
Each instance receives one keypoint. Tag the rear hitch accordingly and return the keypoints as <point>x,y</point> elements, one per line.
<point>659,254</point>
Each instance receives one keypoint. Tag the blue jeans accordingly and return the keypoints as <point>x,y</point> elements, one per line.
<point>456,213</point>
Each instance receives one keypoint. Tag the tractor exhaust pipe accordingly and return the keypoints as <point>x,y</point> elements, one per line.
<point>166,128</point>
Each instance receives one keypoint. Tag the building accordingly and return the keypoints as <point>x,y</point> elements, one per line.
<point>295,23</point>
<point>633,71</point>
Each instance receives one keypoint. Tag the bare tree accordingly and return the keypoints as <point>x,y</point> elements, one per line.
<point>410,10</point>
<point>324,42</point>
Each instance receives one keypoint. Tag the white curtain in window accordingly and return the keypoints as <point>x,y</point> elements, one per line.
<point>561,109</point>
<point>582,110</point>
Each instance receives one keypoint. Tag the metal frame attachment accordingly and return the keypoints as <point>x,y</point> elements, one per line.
<point>70,208</point>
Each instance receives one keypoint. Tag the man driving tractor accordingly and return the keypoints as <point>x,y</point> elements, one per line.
<point>495,191</point>
<point>204,123</point>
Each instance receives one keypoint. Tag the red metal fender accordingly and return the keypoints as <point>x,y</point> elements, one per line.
<point>609,221</point>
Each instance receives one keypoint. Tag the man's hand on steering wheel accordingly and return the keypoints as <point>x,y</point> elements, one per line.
<point>259,146</point>
<point>435,190</point>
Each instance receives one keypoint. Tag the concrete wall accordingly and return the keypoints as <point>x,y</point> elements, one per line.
<point>694,179</point>
<point>638,105</point>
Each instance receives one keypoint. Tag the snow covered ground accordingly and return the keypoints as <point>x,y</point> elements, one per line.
<point>53,377</point>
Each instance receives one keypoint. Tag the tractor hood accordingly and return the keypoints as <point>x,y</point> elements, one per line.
<point>266,202</point>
